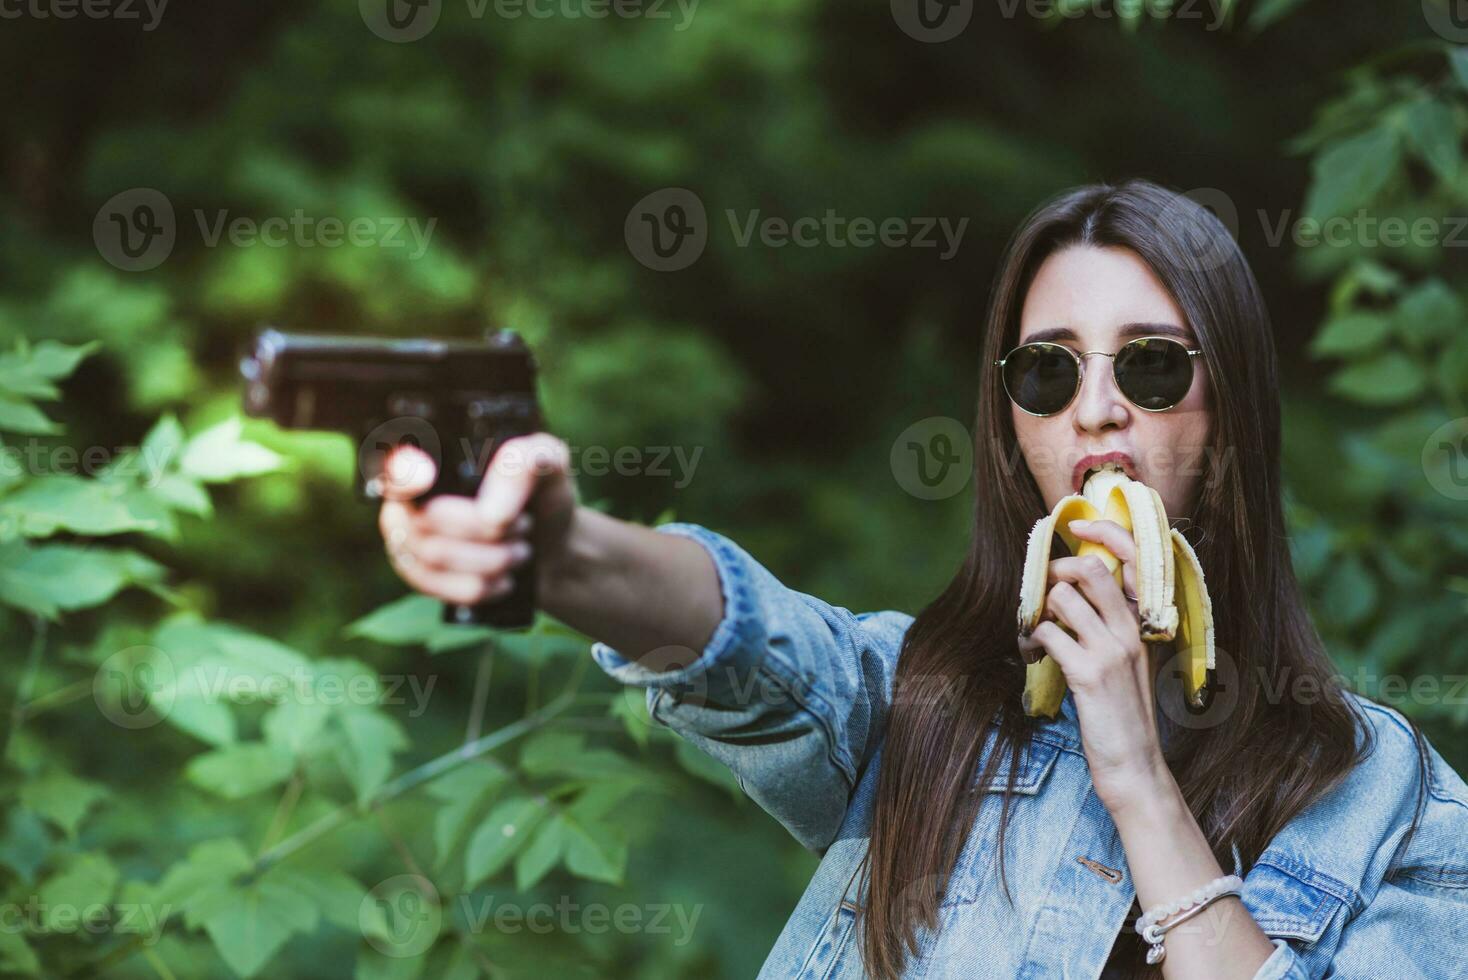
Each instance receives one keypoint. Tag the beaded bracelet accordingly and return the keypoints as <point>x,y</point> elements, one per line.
<point>1149,929</point>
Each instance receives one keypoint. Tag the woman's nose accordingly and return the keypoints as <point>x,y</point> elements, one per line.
<point>1098,404</point>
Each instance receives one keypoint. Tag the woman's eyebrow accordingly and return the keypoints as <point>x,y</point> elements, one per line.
<point>1128,330</point>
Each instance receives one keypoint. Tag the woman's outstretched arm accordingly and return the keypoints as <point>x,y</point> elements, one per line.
<point>648,594</point>
<point>789,691</point>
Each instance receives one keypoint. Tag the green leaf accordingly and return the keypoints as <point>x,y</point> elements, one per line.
<point>706,767</point>
<point>218,455</point>
<point>1432,128</point>
<point>25,845</point>
<point>1351,333</point>
<point>250,925</point>
<point>338,895</point>
<point>1375,278</point>
<point>201,667</point>
<point>25,419</point>
<point>62,798</point>
<point>416,620</point>
<point>553,753</point>
<point>1398,638</point>
<point>596,851</point>
<point>181,493</point>
<point>1350,173</point>
<point>294,724</point>
<point>1430,312</point>
<point>49,360</point>
<point>1350,593</point>
<point>600,799</point>
<point>370,739</point>
<point>16,955</point>
<point>1310,547</point>
<point>1458,61</point>
<point>241,770</point>
<point>372,965</point>
<point>1389,378</point>
<point>504,832</point>
<point>79,577</point>
<point>209,867</point>
<point>1451,370</point>
<point>86,879</point>
<point>630,707</point>
<point>467,793</point>
<point>1267,12</point>
<point>164,443</point>
<point>543,853</point>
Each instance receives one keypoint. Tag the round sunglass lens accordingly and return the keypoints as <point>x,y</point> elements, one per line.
<point>1154,373</point>
<point>1041,378</point>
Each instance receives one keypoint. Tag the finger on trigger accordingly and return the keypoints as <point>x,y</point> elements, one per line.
<point>513,474</point>
<point>459,517</point>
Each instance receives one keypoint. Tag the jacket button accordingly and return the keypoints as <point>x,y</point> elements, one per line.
<point>1112,875</point>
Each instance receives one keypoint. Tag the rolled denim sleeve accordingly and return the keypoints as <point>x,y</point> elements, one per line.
<point>1403,934</point>
<point>1416,923</point>
<point>790,692</point>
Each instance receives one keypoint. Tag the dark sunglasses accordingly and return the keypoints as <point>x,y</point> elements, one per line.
<point>1154,373</point>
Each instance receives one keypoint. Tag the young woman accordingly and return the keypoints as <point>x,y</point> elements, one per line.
<point>959,836</point>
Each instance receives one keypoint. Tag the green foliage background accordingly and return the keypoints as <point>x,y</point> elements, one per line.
<point>267,831</point>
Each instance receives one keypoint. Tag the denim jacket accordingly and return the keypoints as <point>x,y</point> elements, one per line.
<point>791,693</point>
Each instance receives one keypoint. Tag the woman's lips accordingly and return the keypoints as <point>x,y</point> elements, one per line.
<point>1078,474</point>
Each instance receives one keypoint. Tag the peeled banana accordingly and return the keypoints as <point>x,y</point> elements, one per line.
<point>1165,562</point>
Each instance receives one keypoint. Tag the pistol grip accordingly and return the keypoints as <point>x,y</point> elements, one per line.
<point>461,474</point>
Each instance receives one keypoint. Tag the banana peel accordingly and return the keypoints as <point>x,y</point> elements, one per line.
<point>1166,564</point>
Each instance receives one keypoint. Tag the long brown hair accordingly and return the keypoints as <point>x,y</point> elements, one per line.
<point>1243,777</point>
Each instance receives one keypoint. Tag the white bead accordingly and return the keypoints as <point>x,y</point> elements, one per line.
<point>1200,896</point>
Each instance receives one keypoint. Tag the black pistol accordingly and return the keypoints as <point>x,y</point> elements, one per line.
<point>456,400</point>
